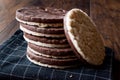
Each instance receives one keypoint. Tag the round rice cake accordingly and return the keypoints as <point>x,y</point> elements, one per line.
<point>43,32</point>
<point>46,42</point>
<point>51,52</point>
<point>48,30</point>
<point>42,17</point>
<point>83,37</point>
<point>51,62</point>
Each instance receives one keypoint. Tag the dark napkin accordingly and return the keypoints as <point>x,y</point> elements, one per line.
<point>15,66</point>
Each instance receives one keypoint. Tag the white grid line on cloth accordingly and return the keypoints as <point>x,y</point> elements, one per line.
<point>110,70</point>
<point>15,66</point>
<point>18,64</point>
<point>81,73</point>
<point>12,56</point>
<point>23,42</point>
<point>15,39</point>
<point>103,78</point>
<point>16,75</point>
<point>7,40</point>
<point>6,46</point>
<point>14,52</point>
<point>70,75</point>
<point>111,65</point>
<point>95,75</point>
<point>52,74</point>
<point>26,70</point>
<point>65,79</point>
<point>20,39</point>
<point>8,55</point>
<point>12,41</point>
<point>38,73</point>
<point>66,72</point>
<point>15,49</point>
<point>17,46</point>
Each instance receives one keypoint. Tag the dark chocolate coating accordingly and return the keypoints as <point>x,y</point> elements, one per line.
<point>51,61</point>
<point>46,39</point>
<point>47,30</point>
<point>52,51</point>
<point>40,14</point>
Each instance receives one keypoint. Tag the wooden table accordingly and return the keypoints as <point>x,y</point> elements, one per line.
<point>105,13</point>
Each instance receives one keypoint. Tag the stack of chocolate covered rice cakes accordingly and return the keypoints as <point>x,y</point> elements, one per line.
<point>54,46</point>
<point>44,33</point>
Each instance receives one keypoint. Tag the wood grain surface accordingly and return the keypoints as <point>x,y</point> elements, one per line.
<point>106,15</point>
<point>7,17</point>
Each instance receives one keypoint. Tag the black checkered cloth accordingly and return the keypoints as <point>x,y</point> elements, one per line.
<point>15,66</point>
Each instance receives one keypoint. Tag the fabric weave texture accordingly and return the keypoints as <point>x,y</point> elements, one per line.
<point>15,66</point>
